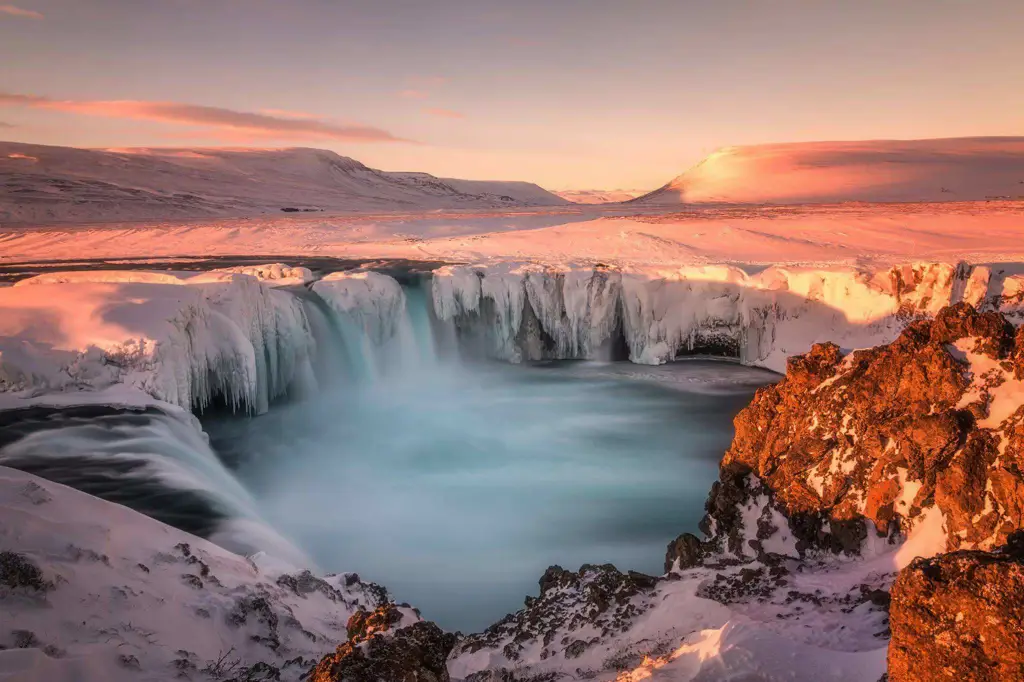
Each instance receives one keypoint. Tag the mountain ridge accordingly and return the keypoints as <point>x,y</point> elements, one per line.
<point>49,183</point>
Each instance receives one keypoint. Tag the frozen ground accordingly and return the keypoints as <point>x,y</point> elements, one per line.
<point>119,597</point>
<point>821,235</point>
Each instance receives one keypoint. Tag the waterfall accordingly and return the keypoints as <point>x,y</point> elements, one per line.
<point>384,328</point>
<point>156,462</point>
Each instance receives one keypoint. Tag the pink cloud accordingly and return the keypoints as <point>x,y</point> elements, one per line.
<point>4,124</point>
<point>285,113</point>
<point>13,11</point>
<point>259,124</point>
<point>443,113</point>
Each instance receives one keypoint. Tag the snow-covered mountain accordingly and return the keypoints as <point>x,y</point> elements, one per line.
<point>955,169</point>
<point>44,183</point>
<point>599,196</point>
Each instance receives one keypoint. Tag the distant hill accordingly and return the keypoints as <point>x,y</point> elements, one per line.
<point>955,169</point>
<point>45,183</point>
<point>599,196</point>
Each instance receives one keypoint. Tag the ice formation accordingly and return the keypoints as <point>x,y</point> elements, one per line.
<point>534,312</point>
<point>188,339</point>
<point>185,340</point>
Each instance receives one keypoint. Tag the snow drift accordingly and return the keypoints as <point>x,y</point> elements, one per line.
<point>118,596</point>
<point>45,183</point>
<point>599,196</point>
<point>956,169</point>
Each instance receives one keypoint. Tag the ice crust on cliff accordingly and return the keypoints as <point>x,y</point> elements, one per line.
<point>190,338</point>
<point>760,318</point>
<point>184,339</point>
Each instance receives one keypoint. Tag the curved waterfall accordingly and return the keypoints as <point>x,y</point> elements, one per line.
<point>159,462</point>
<point>361,426</point>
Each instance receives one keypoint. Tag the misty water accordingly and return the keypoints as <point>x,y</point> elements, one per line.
<point>456,485</point>
<point>453,482</point>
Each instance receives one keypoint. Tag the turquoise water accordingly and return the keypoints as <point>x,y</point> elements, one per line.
<point>456,485</point>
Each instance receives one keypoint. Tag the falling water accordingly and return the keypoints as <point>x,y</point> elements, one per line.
<point>456,482</point>
<point>452,480</point>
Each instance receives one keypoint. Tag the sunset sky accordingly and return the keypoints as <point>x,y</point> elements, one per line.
<point>566,93</point>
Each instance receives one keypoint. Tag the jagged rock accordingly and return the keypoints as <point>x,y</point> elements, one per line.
<point>362,624</point>
<point>19,572</point>
<point>600,598</point>
<point>879,435</point>
<point>960,616</point>
<point>555,577</point>
<point>412,654</point>
<point>687,549</point>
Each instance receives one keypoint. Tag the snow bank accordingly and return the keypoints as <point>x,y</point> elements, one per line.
<point>274,274</point>
<point>185,339</point>
<point>958,169</point>
<point>375,302</point>
<point>533,312</point>
<point>128,598</point>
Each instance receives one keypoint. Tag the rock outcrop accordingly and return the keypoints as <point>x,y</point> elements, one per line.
<point>960,616</point>
<point>378,649</point>
<point>598,599</point>
<point>932,419</point>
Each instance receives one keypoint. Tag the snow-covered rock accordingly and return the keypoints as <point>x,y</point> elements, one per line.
<point>91,590</point>
<point>274,274</point>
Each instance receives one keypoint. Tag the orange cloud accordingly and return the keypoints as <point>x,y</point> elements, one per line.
<point>443,113</point>
<point>285,113</point>
<point>13,11</point>
<point>5,124</point>
<point>261,124</point>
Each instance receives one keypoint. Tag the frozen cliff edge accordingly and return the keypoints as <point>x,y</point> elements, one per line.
<point>529,312</point>
<point>190,339</point>
<point>184,339</point>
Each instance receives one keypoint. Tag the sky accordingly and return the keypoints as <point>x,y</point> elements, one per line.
<point>571,94</point>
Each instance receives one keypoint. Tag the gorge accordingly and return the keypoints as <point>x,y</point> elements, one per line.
<point>105,404</point>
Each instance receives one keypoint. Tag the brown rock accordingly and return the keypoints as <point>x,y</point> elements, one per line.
<point>961,321</point>
<point>417,653</point>
<point>960,616</point>
<point>362,624</point>
<point>687,549</point>
<point>835,437</point>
